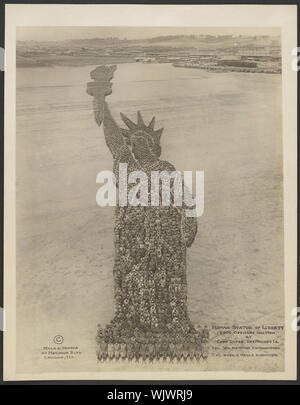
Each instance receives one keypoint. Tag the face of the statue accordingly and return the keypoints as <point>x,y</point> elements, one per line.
<point>141,147</point>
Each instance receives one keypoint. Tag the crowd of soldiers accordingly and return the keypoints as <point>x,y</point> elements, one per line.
<point>151,318</point>
<point>155,347</point>
<point>150,288</point>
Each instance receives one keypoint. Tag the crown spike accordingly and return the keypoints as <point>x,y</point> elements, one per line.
<point>140,121</point>
<point>151,124</point>
<point>128,122</point>
<point>158,133</point>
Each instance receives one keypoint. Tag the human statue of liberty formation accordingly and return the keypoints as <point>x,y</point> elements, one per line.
<point>151,318</point>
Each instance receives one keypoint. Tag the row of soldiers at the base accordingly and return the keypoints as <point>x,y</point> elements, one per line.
<point>153,351</point>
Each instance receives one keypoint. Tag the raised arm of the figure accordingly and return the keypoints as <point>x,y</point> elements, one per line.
<point>99,88</point>
<point>113,137</point>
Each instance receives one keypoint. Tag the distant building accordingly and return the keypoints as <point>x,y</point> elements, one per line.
<point>237,63</point>
<point>230,57</point>
<point>145,59</point>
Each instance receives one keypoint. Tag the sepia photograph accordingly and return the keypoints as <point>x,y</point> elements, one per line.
<point>150,201</point>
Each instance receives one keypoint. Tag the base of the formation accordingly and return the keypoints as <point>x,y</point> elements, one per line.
<point>192,346</point>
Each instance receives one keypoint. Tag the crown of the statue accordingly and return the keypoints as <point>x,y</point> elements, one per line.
<point>141,126</point>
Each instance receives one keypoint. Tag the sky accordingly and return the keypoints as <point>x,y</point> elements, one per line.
<point>64,33</point>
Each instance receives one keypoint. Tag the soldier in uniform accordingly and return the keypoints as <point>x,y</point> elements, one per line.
<point>111,350</point>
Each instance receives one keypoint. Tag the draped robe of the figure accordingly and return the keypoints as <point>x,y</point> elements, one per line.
<point>150,285</point>
<point>150,256</point>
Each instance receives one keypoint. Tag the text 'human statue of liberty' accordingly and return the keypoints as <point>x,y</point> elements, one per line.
<point>150,288</point>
